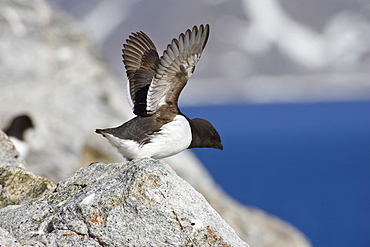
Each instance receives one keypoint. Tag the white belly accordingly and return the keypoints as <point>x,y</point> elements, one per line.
<point>172,138</point>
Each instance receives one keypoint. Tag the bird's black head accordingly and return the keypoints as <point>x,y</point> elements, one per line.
<point>18,126</point>
<point>204,135</point>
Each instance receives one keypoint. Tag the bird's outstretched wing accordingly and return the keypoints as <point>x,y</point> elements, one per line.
<point>175,67</point>
<point>141,62</point>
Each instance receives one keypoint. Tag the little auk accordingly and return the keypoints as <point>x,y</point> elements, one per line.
<point>16,131</point>
<point>159,129</point>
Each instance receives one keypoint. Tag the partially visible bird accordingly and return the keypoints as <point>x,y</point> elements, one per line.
<point>160,129</point>
<point>16,129</point>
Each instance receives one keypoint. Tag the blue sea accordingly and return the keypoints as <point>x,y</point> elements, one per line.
<point>308,164</point>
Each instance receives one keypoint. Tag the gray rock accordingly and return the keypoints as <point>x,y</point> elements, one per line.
<point>7,240</point>
<point>9,156</point>
<point>139,203</point>
<point>16,184</point>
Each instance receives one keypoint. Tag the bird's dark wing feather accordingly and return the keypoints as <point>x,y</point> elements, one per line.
<point>141,62</point>
<point>139,129</point>
<point>175,67</point>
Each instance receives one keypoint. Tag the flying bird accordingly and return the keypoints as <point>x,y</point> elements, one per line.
<point>159,129</point>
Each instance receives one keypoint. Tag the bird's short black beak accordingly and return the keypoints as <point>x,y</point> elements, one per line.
<point>219,146</point>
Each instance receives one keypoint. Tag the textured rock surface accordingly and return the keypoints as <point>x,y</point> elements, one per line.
<point>16,184</point>
<point>9,156</point>
<point>140,203</point>
<point>19,186</point>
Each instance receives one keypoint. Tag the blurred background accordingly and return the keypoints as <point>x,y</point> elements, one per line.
<point>286,83</point>
<point>264,51</point>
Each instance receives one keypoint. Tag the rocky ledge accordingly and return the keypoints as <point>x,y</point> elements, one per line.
<point>138,203</point>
